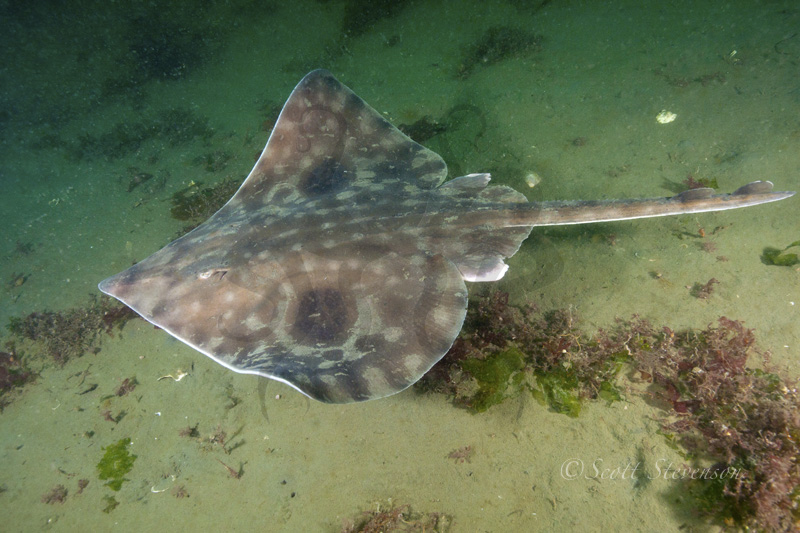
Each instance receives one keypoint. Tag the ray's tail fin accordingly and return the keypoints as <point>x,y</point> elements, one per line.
<point>691,201</point>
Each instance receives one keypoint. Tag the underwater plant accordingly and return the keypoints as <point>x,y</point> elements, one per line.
<point>196,203</point>
<point>694,182</point>
<point>504,350</point>
<point>398,518</point>
<point>423,129</point>
<point>746,419</point>
<point>165,50</point>
<point>779,257</point>
<point>717,409</point>
<point>116,462</point>
<point>111,503</point>
<point>173,127</point>
<point>13,373</point>
<point>57,494</point>
<point>127,385</point>
<point>72,332</point>
<point>703,291</point>
<point>214,161</point>
<point>496,44</point>
<point>361,15</point>
<point>460,455</point>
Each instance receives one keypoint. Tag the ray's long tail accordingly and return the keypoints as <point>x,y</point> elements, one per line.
<point>691,201</point>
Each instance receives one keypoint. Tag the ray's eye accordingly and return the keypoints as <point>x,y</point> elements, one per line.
<point>208,274</point>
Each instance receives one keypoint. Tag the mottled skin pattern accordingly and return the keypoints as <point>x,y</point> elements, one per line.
<point>338,267</point>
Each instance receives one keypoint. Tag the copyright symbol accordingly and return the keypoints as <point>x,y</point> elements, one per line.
<point>571,469</point>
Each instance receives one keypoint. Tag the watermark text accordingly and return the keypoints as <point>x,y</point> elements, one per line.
<point>599,470</point>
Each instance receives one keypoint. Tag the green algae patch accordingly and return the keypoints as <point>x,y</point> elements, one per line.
<point>499,376</point>
<point>776,257</point>
<point>116,462</point>
<point>557,390</point>
<point>111,504</point>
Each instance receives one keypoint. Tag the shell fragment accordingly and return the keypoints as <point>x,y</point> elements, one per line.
<point>665,117</point>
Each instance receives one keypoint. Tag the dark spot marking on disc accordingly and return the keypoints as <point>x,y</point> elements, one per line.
<point>354,104</point>
<point>370,343</point>
<point>327,80</point>
<point>328,177</point>
<point>333,355</point>
<point>391,170</point>
<point>322,317</point>
<point>280,196</point>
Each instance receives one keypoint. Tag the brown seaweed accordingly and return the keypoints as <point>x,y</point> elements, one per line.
<point>716,406</point>
<point>196,203</point>
<point>70,333</point>
<point>13,373</point>
<point>496,44</point>
<point>398,518</point>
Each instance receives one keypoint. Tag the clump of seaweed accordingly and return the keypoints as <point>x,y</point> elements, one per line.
<point>196,203</point>
<point>233,472</point>
<point>746,419</point>
<point>703,291</point>
<point>778,257</point>
<point>397,518</point>
<point>190,431</point>
<point>214,161</point>
<point>497,377</point>
<point>71,333</point>
<point>460,455</point>
<point>111,503</point>
<point>109,417</point>
<point>708,247</point>
<point>127,386</point>
<point>423,129</point>
<point>116,462</point>
<point>57,494</point>
<point>173,127</point>
<point>361,15</point>
<point>159,48</point>
<point>165,50</point>
<point>743,421</point>
<point>219,439</point>
<point>13,373</point>
<point>496,44</point>
<point>24,248</point>
<point>693,182</point>
<point>504,350</point>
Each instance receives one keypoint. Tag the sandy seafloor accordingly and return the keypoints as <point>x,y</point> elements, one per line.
<point>603,73</point>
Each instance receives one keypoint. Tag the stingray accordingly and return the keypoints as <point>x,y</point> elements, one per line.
<point>339,265</point>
